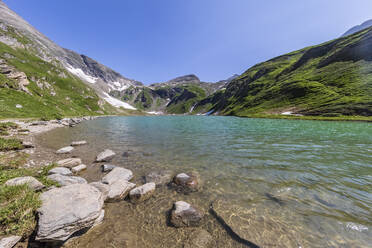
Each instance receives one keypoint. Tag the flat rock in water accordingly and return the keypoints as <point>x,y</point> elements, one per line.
<point>159,177</point>
<point>107,167</point>
<point>64,150</point>
<point>199,238</point>
<point>79,143</point>
<point>66,180</point>
<point>9,242</point>
<point>79,168</point>
<point>67,210</point>
<point>30,181</point>
<point>105,156</point>
<point>119,190</point>
<point>142,193</point>
<point>185,215</point>
<point>69,162</point>
<point>256,224</point>
<point>60,170</point>
<point>103,188</point>
<point>116,174</point>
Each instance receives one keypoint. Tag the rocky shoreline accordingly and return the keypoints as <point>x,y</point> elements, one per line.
<point>76,206</point>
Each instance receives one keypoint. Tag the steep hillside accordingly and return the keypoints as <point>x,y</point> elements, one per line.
<point>331,79</point>
<point>176,96</point>
<point>358,28</point>
<point>50,73</point>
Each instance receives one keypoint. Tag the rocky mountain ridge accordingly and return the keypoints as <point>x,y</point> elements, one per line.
<point>358,28</point>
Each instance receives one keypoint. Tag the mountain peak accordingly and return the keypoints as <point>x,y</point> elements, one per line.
<point>358,28</point>
<point>185,79</point>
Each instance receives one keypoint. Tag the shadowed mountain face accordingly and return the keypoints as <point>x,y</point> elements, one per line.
<point>358,28</point>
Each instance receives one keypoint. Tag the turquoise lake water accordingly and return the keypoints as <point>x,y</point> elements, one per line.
<point>303,183</point>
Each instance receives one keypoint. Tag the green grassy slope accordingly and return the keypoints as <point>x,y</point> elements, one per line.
<point>53,91</point>
<point>331,79</point>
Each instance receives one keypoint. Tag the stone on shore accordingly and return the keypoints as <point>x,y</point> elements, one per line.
<point>105,156</point>
<point>9,242</point>
<point>79,143</point>
<point>185,215</point>
<point>199,238</point>
<point>107,167</point>
<point>116,174</point>
<point>159,177</point>
<point>69,162</point>
<point>32,182</point>
<point>142,193</point>
<point>119,190</point>
<point>67,210</point>
<point>103,188</point>
<point>60,170</point>
<point>66,180</point>
<point>186,183</point>
<point>65,150</point>
<point>79,168</point>
<point>27,144</point>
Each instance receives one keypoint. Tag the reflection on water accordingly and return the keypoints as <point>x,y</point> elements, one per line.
<point>278,183</point>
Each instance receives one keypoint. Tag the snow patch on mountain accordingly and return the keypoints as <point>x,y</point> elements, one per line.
<point>117,103</point>
<point>82,75</point>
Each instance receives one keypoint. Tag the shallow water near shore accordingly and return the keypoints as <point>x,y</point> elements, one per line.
<point>282,183</point>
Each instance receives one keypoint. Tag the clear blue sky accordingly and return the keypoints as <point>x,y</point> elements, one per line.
<point>156,40</point>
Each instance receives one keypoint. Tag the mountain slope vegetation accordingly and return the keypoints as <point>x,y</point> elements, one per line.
<point>331,79</point>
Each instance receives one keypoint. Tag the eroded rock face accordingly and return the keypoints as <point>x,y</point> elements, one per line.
<point>60,170</point>
<point>30,181</point>
<point>142,193</point>
<point>119,190</point>
<point>66,180</point>
<point>159,177</point>
<point>103,188</point>
<point>9,242</point>
<point>69,162</point>
<point>105,156</point>
<point>67,210</point>
<point>117,174</point>
<point>65,150</point>
<point>187,183</point>
<point>185,215</point>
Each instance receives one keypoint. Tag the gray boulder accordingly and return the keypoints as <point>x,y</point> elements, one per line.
<point>105,156</point>
<point>185,215</point>
<point>103,188</point>
<point>117,174</point>
<point>66,180</point>
<point>69,162</point>
<point>65,150</point>
<point>67,210</point>
<point>187,183</point>
<point>79,143</point>
<point>30,181</point>
<point>119,190</point>
<point>79,168</point>
<point>142,193</point>
<point>107,167</point>
<point>159,177</point>
<point>60,170</point>
<point>9,242</point>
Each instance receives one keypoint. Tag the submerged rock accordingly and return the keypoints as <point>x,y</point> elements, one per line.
<point>103,188</point>
<point>65,150</point>
<point>9,242</point>
<point>142,193</point>
<point>107,167</point>
<point>79,168</point>
<point>60,170</point>
<point>116,174</point>
<point>105,156</point>
<point>199,238</point>
<point>185,215</point>
<point>187,183</point>
<point>30,181</point>
<point>66,180</point>
<point>159,177</point>
<point>67,210</point>
<point>69,162</point>
<point>79,143</point>
<point>119,190</point>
